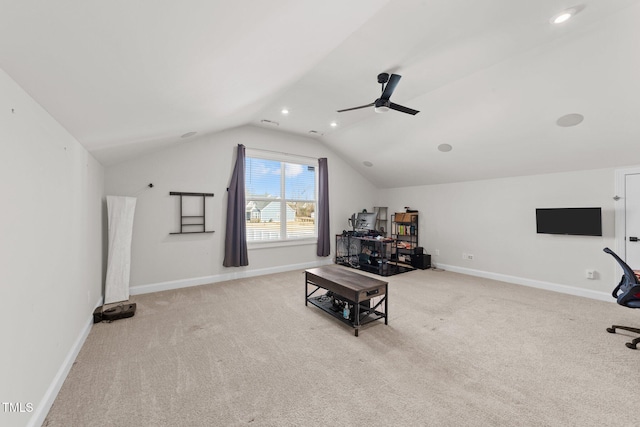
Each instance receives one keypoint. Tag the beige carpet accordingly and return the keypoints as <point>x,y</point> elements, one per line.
<point>458,351</point>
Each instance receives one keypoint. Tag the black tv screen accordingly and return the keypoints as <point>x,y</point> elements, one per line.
<point>572,221</point>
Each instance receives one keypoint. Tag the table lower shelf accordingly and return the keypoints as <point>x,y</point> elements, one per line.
<point>366,313</point>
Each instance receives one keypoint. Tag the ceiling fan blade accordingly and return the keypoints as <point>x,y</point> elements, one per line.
<point>391,86</point>
<point>357,108</point>
<point>403,109</point>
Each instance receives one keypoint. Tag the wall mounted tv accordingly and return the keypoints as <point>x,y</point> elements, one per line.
<point>571,221</point>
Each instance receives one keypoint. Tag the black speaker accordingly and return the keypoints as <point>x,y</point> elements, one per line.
<point>421,261</point>
<point>418,250</point>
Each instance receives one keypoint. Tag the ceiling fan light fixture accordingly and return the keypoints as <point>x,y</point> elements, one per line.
<point>382,105</point>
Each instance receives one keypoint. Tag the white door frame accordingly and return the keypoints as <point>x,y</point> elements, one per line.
<point>620,203</point>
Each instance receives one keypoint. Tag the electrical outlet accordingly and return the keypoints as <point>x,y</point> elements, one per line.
<point>591,274</point>
<point>437,252</point>
<point>469,256</point>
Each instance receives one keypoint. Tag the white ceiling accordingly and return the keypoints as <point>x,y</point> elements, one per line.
<point>489,77</point>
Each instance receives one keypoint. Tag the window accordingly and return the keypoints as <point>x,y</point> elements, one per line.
<point>281,197</point>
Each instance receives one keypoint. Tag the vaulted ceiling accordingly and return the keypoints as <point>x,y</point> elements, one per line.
<point>490,78</point>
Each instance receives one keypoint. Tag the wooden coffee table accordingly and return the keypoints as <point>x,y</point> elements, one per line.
<point>344,286</point>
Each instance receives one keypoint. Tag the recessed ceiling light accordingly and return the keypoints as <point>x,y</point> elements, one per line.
<point>334,124</point>
<point>367,163</point>
<point>445,147</point>
<point>285,111</point>
<point>569,120</point>
<point>565,15</point>
<point>188,134</point>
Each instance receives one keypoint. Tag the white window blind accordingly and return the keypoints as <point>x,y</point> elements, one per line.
<point>281,194</point>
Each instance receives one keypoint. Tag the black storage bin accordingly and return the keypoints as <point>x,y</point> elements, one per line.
<point>421,261</point>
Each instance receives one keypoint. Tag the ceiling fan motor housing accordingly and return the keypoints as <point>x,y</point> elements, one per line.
<point>382,103</point>
<point>383,78</point>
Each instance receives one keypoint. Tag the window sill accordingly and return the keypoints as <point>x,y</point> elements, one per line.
<point>281,243</point>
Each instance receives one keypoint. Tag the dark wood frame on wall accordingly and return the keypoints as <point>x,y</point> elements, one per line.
<point>190,225</point>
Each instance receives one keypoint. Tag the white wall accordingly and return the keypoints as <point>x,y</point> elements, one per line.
<point>204,164</point>
<point>495,221</point>
<point>51,252</point>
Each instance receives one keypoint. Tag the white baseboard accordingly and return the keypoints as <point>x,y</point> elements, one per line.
<point>42,409</point>
<point>571,290</point>
<point>241,274</point>
<point>198,281</point>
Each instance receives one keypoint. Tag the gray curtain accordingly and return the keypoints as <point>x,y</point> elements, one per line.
<point>235,241</point>
<point>324,239</point>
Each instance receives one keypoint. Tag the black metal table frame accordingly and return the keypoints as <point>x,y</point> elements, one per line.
<point>386,268</point>
<point>361,317</point>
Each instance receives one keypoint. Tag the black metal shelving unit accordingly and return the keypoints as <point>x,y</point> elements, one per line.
<point>404,229</point>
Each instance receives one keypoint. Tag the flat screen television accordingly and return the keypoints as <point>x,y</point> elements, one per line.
<point>570,221</point>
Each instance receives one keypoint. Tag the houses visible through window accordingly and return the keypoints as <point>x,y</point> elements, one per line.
<point>281,195</point>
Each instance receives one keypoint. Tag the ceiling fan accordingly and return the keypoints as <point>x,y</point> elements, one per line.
<point>383,104</point>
